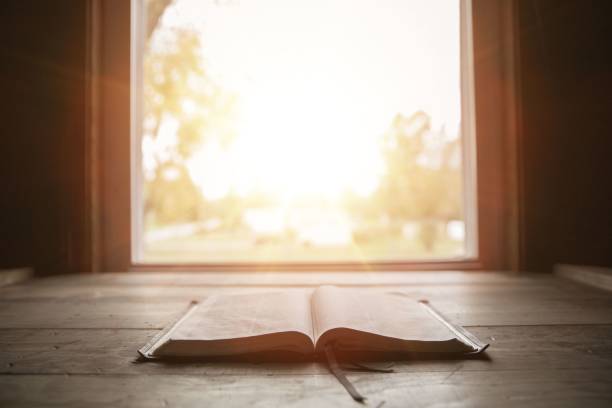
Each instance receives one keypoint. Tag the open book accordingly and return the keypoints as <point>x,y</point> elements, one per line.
<point>309,321</point>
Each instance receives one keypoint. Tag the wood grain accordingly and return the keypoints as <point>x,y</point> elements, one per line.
<point>114,351</point>
<point>88,291</point>
<point>538,388</point>
<point>258,278</point>
<point>594,276</point>
<point>155,313</point>
<point>14,276</point>
<point>71,341</point>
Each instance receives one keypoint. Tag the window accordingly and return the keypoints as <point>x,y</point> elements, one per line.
<point>348,141</point>
<point>294,131</point>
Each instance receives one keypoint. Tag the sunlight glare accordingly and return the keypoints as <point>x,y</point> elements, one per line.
<point>308,123</point>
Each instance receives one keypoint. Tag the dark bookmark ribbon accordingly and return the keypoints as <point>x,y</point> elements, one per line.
<point>338,372</point>
<point>355,366</point>
<point>335,369</point>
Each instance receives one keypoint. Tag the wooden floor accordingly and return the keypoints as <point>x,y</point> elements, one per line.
<point>71,341</point>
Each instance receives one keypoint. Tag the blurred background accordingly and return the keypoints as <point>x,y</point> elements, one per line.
<point>301,131</point>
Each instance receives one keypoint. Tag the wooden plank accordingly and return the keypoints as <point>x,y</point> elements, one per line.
<point>258,278</point>
<point>594,276</point>
<point>14,276</point>
<point>88,314</point>
<point>113,352</point>
<point>558,289</point>
<point>481,309</point>
<point>94,325</point>
<point>539,388</point>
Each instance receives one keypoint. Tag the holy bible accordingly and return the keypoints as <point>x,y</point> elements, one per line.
<point>310,322</point>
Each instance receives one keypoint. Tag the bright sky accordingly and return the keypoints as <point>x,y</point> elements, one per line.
<point>320,81</point>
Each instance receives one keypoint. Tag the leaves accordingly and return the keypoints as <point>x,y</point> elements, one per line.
<point>177,87</point>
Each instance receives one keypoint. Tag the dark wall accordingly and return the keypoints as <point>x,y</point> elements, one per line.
<point>566,137</point>
<point>42,120</point>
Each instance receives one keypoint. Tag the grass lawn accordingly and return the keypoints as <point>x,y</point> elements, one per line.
<point>226,248</point>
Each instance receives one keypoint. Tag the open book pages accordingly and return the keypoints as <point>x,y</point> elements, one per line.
<point>305,321</point>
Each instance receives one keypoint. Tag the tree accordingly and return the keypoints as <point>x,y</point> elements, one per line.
<point>412,189</point>
<point>178,88</point>
<point>155,9</point>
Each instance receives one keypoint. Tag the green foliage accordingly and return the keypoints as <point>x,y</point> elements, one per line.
<point>411,189</point>
<point>171,197</point>
<point>177,86</point>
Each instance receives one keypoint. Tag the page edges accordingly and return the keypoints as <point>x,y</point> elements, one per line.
<point>153,344</point>
<point>460,332</point>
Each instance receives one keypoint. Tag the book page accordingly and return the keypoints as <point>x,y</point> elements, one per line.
<point>376,312</point>
<point>246,315</point>
<point>239,324</point>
